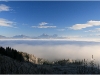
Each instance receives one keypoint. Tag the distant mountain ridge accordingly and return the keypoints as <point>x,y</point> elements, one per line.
<point>20,36</point>
<point>2,36</point>
<point>43,36</point>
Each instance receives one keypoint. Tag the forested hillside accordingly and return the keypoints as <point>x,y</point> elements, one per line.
<point>15,62</point>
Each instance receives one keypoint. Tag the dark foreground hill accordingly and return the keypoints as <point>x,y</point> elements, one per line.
<point>15,62</point>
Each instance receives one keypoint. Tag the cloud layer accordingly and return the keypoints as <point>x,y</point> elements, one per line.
<point>61,51</point>
<point>52,50</point>
<point>88,24</point>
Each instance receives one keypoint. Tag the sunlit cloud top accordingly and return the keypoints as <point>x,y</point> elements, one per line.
<point>88,24</point>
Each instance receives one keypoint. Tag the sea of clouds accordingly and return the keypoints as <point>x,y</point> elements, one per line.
<point>56,49</point>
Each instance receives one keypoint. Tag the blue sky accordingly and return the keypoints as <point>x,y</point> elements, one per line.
<point>65,18</point>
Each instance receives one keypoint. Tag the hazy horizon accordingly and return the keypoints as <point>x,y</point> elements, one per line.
<point>52,50</point>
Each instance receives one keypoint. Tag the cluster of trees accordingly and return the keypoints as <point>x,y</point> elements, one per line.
<point>58,67</point>
<point>10,52</point>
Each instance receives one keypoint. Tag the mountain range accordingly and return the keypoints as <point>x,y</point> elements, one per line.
<point>43,36</point>
<point>1,37</point>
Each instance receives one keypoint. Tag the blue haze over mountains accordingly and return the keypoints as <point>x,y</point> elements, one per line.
<point>43,36</point>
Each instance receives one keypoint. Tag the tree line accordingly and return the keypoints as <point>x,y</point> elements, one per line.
<point>10,52</point>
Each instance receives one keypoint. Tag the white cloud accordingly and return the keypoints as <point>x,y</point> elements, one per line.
<point>94,35</point>
<point>95,30</point>
<point>43,25</point>
<point>60,29</point>
<point>46,26</point>
<point>97,34</point>
<point>4,8</point>
<point>90,31</point>
<point>6,23</point>
<point>88,24</point>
